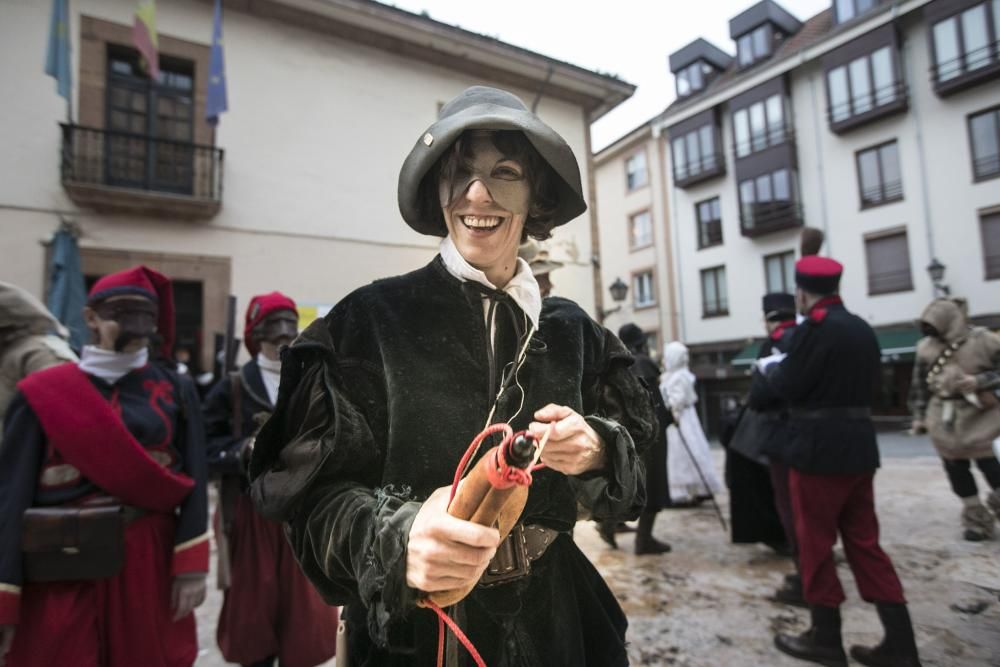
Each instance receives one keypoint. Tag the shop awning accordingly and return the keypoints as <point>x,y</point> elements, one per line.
<point>898,344</point>
<point>748,354</point>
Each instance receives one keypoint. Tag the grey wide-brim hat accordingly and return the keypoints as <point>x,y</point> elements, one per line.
<point>483,108</point>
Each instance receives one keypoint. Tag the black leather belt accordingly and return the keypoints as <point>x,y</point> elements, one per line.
<point>524,544</point>
<point>831,413</point>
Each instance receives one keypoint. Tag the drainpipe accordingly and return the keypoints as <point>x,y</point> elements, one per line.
<point>821,172</point>
<point>668,219</point>
<point>921,152</point>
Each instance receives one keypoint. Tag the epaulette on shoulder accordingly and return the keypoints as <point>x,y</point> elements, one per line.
<point>818,315</point>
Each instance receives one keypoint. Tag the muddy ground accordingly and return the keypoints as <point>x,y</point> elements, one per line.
<point>705,604</point>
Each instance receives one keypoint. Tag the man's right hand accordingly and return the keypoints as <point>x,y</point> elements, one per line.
<point>6,641</point>
<point>444,552</point>
<point>917,427</point>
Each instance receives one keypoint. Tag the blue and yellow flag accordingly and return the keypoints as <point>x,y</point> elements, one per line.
<point>57,61</point>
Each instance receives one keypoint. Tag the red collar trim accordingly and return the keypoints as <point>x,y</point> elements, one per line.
<point>780,330</point>
<point>820,309</point>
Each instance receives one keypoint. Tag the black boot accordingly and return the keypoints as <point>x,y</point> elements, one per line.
<point>791,592</point>
<point>821,643</point>
<point>899,648</point>
<point>645,543</point>
<point>606,529</point>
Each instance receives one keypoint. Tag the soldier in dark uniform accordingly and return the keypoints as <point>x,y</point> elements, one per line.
<point>758,477</point>
<point>270,610</point>
<point>827,379</point>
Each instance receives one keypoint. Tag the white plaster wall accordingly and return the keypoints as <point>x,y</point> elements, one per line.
<point>615,205</point>
<point>316,133</point>
<point>829,190</point>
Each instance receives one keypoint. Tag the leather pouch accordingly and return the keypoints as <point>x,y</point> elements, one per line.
<point>73,543</point>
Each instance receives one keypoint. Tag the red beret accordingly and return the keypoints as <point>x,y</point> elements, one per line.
<point>260,307</point>
<point>820,275</point>
<point>141,281</point>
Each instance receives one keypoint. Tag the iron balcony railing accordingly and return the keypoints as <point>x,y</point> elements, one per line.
<point>967,68</point>
<point>882,193</point>
<point>708,165</point>
<point>886,97</point>
<point>766,217</point>
<point>111,158</point>
<point>986,166</point>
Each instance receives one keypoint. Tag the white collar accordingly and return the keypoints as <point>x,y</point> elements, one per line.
<point>268,365</point>
<point>109,365</point>
<point>522,288</point>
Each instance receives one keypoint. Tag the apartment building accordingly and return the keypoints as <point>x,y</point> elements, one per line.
<point>295,189</point>
<point>877,122</point>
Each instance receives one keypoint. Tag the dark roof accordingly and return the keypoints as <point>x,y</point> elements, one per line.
<point>816,29</point>
<point>699,49</point>
<point>766,11</point>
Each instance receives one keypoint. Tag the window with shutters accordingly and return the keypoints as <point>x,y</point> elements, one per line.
<point>888,259</point>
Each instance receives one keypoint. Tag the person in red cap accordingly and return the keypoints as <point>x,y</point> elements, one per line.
<point>827,378</point>
<point>103,510</point>
<point>270,610</point>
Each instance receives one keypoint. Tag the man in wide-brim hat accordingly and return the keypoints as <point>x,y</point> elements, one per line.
<point>380,399</point>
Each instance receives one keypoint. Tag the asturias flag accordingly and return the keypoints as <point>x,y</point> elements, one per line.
<point>216,102</point>
<point>144,36</point>
<point>57,58</point>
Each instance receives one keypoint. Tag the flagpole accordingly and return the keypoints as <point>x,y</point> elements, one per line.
<point>69,43</point>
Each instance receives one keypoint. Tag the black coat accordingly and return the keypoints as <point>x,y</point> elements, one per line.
<point>655,458</point>
<point>832,364</point>
<point>225,447</point>
<point>377,404</point>
<point>762,430</point>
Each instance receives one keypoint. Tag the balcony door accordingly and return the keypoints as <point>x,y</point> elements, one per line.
<point>150,124</point>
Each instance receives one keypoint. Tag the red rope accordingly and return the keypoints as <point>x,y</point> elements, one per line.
<point>501,475</point>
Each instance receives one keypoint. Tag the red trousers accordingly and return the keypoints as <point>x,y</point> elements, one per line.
<point>271,609</point>
<point>122,621</point>
<point>823,506</point>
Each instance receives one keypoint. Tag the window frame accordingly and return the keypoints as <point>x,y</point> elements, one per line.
<point>722,308</point>
<point>983,215</point>
<point>770,137</point>
<point>882,236</point>
<point>654,301</point>
<point>964,77</point>
<point>788,281</point>
<point>645,157</point>
<point>647,211</point>
<point>699,223</point>
<point>976,176</point>
<point>887,198</point>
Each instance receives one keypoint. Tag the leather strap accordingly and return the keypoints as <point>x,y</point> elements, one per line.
<point>524,544</point>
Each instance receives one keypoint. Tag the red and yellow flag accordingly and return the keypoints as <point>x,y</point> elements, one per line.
<point>144,36</point>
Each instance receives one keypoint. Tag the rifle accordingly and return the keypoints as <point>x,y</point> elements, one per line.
<point>223,573</point>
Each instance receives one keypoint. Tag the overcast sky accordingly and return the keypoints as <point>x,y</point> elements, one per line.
<point>629,38</point>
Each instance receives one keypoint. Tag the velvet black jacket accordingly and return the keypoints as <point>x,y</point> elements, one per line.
<point>833,362</point>
<point>377,404</point>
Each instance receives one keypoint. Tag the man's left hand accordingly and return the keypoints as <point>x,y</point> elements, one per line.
<point>573,446</point>
<point>188,592</point>
<point>967,384</point>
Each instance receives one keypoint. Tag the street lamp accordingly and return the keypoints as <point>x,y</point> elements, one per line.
<point>936,270</point>
<point>619,290</point>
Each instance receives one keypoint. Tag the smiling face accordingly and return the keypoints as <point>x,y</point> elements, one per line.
<point>485,201</point>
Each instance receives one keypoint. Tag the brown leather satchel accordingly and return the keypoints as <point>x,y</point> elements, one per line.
<point>73,543</point>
